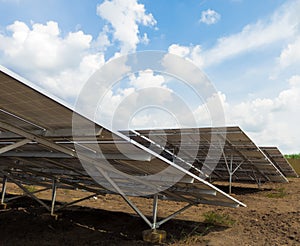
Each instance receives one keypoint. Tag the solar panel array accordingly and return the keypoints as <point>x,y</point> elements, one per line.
<point>37,146</point>
<point>248,162</point>
<point>279,160</point>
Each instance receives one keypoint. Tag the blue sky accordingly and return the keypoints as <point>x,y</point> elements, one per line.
<point>248,49</point>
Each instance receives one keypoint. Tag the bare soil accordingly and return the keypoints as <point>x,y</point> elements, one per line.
<point>271,218</point>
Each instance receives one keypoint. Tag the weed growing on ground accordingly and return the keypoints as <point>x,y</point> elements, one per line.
<point>30,188</point>
<point>216,219</point>
<point>279,193</point>
<point>193,237</point>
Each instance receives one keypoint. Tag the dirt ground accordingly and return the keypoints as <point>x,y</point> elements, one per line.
<point>271,218</point>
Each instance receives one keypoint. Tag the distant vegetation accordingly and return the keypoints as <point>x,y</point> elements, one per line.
<point>293,156</point>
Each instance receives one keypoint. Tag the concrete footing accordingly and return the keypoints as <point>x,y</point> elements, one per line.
<point>154,236</point>
<point>55,216</point>
<point>49,216</point>
<point>3,206</point>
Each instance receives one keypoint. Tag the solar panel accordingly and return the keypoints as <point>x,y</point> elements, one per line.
<point>240,160</point>
<point>37,146</point>
<point>279,160</point>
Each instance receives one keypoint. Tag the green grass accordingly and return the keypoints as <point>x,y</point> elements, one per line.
<point>292,156</point>
<point>216,219</point>
<point>279,193</point>
<point>192,237</point>
<point>212,220</point>
<point>30,188</point>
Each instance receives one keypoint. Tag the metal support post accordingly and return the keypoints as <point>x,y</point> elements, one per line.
<point>229,169</point>
<point>230,175</point>
<point>257,179</point>
<point>155,202</point>
<point>259,183</point>
<point>53,197</point>
<point>4,182</point>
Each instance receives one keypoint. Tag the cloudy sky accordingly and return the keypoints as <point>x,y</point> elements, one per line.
<point>250,51</point>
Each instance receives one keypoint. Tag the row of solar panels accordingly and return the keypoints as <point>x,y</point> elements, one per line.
<point>38,144</point>
<point>236,152</point>
<point>37,139</point>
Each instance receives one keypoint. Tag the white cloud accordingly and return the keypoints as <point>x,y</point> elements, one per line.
<point>62,63</point>
<point>270,121</point>
<point>125,16</point>
<point>153,118</point>
<point>192,53</point>
<point>144,39</point>
<point>68,82</point>
<point>282,26</point>
<point>210,113</point>
<point>291,54</point>
<point>146,79</point>
<point>102,41</point>
<point>210,17</point>
<point>176,49</point>
<point>41,54</point>
<point>42,46</point>
<point>125,98</point>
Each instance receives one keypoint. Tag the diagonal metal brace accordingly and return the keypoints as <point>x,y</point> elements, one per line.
<point>14,146</point>
<point>29,193</point>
